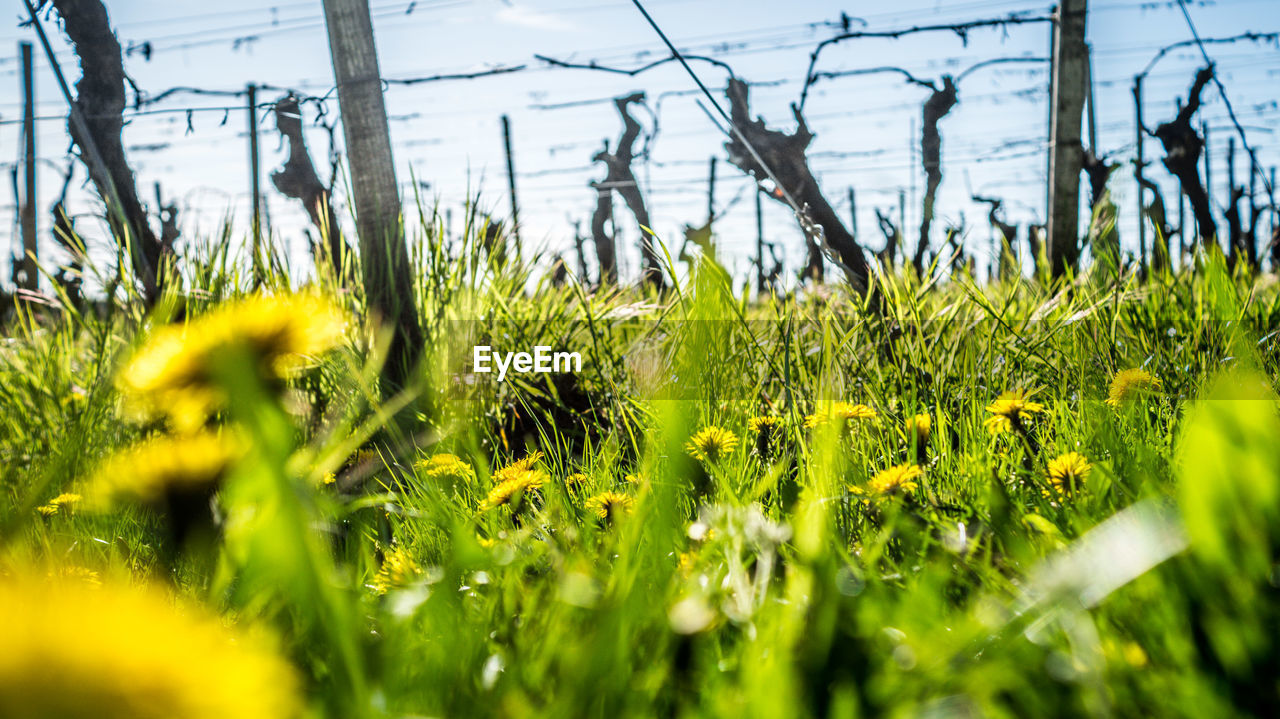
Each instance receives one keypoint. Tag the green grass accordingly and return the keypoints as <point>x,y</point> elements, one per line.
<point>753,586</point>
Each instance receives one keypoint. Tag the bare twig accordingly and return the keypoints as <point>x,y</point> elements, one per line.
<point>632,72</point>
<point>1272,37</point>
<point>960,29</point>
<point>832,75</point>
<point>505,70</point>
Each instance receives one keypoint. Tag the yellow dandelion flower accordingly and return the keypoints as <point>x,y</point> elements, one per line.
<point>632,478</point>
<point>329,478</point>
<point>517,482</point>
<point>842,411</point>
<point>610,505</point>
<point>486,542</point>
<point>173,372</point>
<point>75,650</point>
<point>398,570</point>
<point>517,467</point>
<point>160,468</point>
<point>893,481</point>
<point>1129,384</point>
<point>66,499</point>
<point>1067,473</point>
<point>447,467</point>
<point>711,444</point>
<point>766,429</point>
<point>80,574</point>
<point>1010,410</point>
<point>763,423</point>
<point>575,479</point>
<point>1134,654</point>
<point>686,562</point>
<point>919,427</point>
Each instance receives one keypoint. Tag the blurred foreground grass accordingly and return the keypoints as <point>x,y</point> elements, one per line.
<point>1002,500</point>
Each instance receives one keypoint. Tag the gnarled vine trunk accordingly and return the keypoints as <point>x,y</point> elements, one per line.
<point>298,179</point>
<point>1182,147</point>
<point>935,108</point>
<point>100,99</point>
<point>620,178</point>
<point>785,156</point>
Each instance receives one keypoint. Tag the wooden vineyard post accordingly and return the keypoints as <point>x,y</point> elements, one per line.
<point>759,242</point>
<point>1137,172</point>
<point>1070,70</point>
<point>30,249</point>
<point>711,192</point>
<point>388,283</point>
<point>511,182</point>
<point>255,187</point>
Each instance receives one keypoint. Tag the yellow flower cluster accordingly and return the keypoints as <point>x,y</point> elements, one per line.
<point>398,570</point>
<point>711,444</point>
<point>767,429</point>
<point>1129,384</point>
<point>896,480</point>
<point>919,428</point>
<point>1067,472</point>
<point>79,574</point>
<point>173,374</point>
<point>75,649</point>
<point>443,467</point>
<point>514,480</point>
<point>183,463</point>
<point>514,469</point>
<point>763,423</point>
<point>1010,410</point>
<point>610,505</point>
<point>842,411</point>
<point>63,501</point>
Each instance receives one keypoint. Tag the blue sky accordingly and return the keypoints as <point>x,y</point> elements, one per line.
<point>448,134</point>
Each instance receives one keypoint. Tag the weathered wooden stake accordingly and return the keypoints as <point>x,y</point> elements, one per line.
<point>1275,222</point>
<point>1235,228</point>
<point>759,242</point>
<point>1138,167</point>
<point>711,192</point>
<point>1184,244</point>
<point>388,282</point>
<point>853,214</point>
<point>1048,123</point>
<point>1070,70</point>
<point>902,215</point>
<point>31,274</point>
<point>1208,164</point>
<point>255,188</point>
<point>511,182</point>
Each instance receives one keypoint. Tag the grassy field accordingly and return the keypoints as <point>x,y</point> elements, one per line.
<point>967,500</point>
